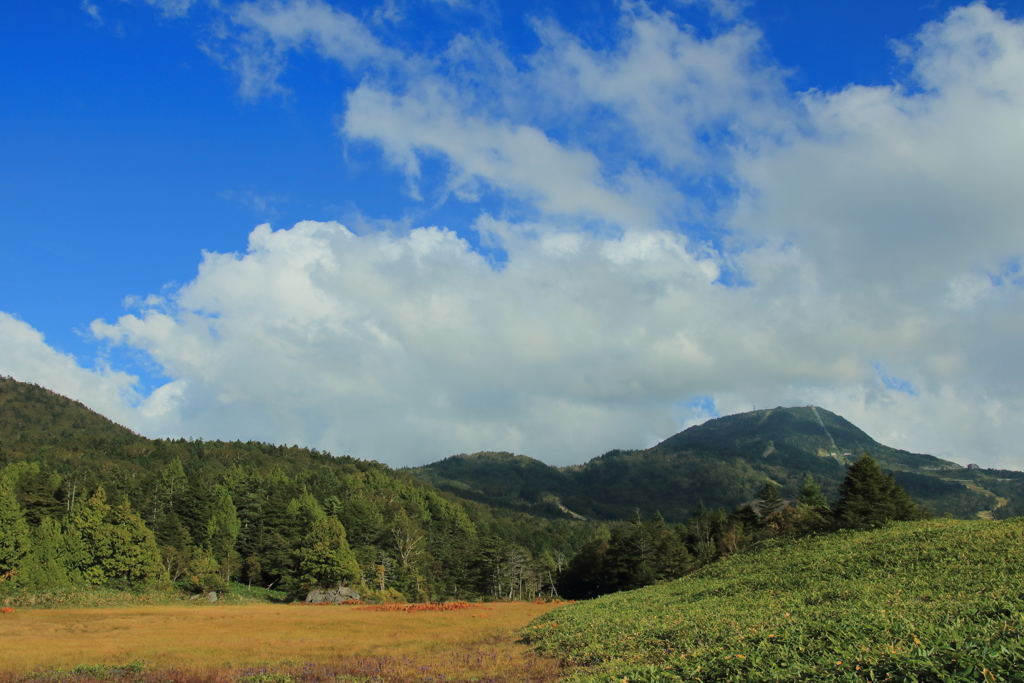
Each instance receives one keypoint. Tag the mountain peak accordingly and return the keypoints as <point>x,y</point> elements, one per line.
<point>815,429</point>
<point>804,431</point>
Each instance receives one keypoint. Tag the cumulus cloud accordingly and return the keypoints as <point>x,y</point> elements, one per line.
<point>406,348</point>
<point>913,184</point>
<point>874,234</point>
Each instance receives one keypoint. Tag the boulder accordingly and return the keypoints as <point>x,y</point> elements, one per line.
<point>331,595</point>
<point>212,596</point>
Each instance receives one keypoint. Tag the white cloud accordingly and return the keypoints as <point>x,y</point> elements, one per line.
<point>871,228</point>
<point>682,99</point>
<point>908,188</point>
<point>258,36</point>
<point>406,349</point>
<point>330,31</point>
<point>518,159</point>
<point>260,203</point>
<point>92,10</point>
<point>172,8</point>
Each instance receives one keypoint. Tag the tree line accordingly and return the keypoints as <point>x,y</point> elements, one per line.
<point>204,514</point>
<point>355,523</point>
<point>84,502</point>
<point>642,551</point>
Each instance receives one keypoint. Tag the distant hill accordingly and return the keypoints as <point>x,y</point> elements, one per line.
<point>34,416</point>
<point>721,463</point>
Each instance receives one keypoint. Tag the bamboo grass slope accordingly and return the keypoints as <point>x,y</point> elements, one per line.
<point>915,601</point>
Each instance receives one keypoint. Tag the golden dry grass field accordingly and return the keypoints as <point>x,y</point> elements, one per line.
<point>223,642</point>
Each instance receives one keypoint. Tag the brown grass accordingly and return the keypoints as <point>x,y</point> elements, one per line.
<point>263,643</point>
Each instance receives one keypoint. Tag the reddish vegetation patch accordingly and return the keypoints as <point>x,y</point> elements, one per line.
<point>493,665</point>
<point>422,607</point>
<point>442,606</point>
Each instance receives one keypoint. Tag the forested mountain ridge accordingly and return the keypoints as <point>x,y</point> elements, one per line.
<point>808,430</point>
<point>84,501</point>
<point>505,480</point>
<point>33,417</point>
<point>721,463</point>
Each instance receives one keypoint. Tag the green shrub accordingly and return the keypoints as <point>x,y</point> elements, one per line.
<point>914,601</point>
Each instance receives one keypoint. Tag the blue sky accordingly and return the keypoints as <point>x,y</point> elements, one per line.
<point>568,227</point>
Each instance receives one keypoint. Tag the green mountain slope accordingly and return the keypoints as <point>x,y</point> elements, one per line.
<point>248,511</point>
<point>927,601</point>
<point>32,417</point>
<point>722,463</point>
<point>798,432</point>
<point>503,479</point>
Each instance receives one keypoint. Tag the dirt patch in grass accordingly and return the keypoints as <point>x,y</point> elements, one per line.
<point>271,644</point>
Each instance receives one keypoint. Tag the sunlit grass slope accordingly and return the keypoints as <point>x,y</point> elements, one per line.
<point>215,643</point>
<point>916,601</point>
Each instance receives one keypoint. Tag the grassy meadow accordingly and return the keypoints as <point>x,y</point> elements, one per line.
<point>934,601</point>
<point>272,643</point>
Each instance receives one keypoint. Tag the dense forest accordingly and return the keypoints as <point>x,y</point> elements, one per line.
<point>85,502</point>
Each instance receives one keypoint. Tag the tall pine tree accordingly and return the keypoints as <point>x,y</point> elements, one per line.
<point>868,498</point>
<point>811,495</point>
<point>771,501</point>
<point>15,539</point>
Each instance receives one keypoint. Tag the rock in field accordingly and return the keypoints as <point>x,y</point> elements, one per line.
<point>332,595</point>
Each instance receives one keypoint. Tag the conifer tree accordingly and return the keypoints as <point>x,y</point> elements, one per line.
<point>112,545</point>
<point>586,575</point>
<point>36,493</point>
<point>15,538</point>
<point>771,501</point>
<point>45,567</point>
<point>204,571</point>
<point>135,556</point>
<point>628,562</point>
<point>222,531</point>
<point>670,558</point>
<point>868,498</point>
<point>811,495</point>
<point>325,558</point>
